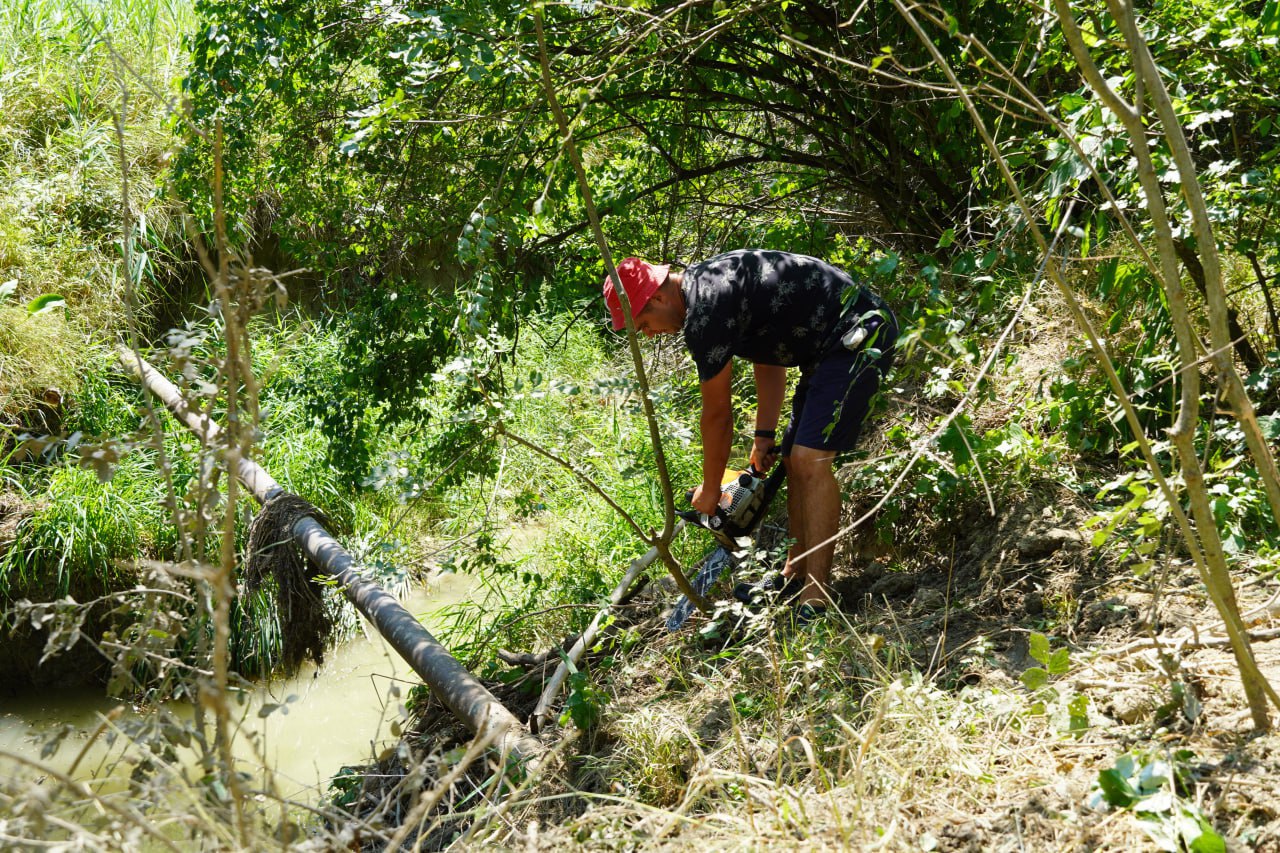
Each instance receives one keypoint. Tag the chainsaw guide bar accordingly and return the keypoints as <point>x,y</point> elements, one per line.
<point>744,500</point>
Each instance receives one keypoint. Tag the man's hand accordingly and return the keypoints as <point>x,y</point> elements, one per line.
<point>706,500</point>
<point>764,452</point>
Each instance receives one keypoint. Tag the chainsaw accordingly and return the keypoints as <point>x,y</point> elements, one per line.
<point>744,499</point>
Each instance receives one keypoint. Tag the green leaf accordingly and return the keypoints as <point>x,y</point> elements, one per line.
<point>1039,647</point>
<point>1034,678</point>
<point>45,302</point>
<point>1078,714</point>
<point>887,265</point>
<point>1270,19</point>
<point>955,441</point>
<point>1207,841</point>
<point>1072,102</point>
<point>1059,662</point>
<point>584,704</point>
<point>1154,775</point>
<point>1116,789</point>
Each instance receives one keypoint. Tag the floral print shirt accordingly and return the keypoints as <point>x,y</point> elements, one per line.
<point>767,307</point>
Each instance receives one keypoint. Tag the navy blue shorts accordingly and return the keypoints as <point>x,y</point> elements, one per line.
<point>834,396</point>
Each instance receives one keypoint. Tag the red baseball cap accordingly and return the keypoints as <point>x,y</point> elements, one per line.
<point>641,280</point>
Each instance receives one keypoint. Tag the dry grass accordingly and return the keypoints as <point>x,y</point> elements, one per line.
<point>36,354</point>
<point>826,738</point>
<point>834,739</point>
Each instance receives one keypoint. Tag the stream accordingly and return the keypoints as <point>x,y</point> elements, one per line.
<point>341,714</point>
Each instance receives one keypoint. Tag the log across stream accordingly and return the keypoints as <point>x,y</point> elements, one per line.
<point>457,688</point>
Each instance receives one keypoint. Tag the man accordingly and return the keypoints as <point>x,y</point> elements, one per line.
<point>776,310</point>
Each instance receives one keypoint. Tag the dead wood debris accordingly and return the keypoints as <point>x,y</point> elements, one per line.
<point>539,660</point>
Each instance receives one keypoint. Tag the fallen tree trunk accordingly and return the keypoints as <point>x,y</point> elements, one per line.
<point>459,690</point>
<point>552,688</point>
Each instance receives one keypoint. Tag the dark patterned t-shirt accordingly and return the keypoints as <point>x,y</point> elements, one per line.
<point>767,307</point>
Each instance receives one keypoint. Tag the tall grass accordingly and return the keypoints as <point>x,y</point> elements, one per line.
<point>71,73</point>
<point>35,355</point>
<point>79,534</point>
<point>83,537</point>
<point>84,533</point>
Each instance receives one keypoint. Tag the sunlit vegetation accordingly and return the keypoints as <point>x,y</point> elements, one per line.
<point>1038,622</point>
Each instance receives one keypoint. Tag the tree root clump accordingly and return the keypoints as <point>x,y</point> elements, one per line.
<point>305,621</point>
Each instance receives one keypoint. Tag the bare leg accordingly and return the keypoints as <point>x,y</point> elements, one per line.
<point>813,502</point>
<point>795,522</point>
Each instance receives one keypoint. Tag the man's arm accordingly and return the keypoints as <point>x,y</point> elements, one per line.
<point>717,438</point>
<point>771,387</point>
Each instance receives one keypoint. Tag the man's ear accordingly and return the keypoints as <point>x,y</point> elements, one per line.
<point>664,293</point>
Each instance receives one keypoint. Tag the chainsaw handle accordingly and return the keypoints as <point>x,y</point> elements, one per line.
<point>711,522</point>
<point>744,479</point>
<point>688,496</point>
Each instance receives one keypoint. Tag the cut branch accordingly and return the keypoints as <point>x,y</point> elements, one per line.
<point>552,688</point>
<point>662,539</point>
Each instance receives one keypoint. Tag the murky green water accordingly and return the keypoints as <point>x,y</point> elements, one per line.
<point>341,715</point>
